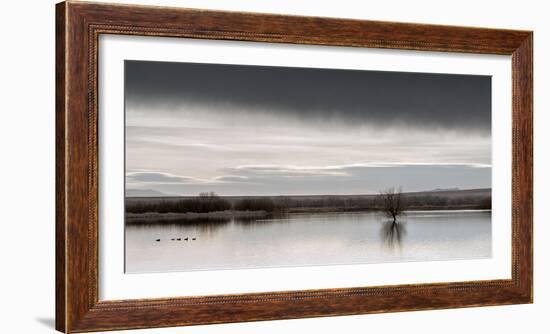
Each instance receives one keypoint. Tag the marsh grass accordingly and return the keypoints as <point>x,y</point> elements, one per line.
<point>200,204</point>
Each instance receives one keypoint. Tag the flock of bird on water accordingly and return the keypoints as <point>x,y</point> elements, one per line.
<point>179,239</point>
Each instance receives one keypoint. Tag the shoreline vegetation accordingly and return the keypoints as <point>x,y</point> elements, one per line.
<point>210,206</point>
<point>227,214</point>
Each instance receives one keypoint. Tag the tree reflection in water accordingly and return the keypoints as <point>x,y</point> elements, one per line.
<point>392,233</point>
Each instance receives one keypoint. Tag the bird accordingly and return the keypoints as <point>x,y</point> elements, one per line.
<point>178,239</point>
<point>172,239</point>
<point>194,239</point>
<point>158,239</point>
<point>186,239</point>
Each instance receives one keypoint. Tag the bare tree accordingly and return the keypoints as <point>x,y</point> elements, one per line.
<point>392,202</point>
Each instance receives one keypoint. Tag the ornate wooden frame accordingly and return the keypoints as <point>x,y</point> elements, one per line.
<point>78,25</point>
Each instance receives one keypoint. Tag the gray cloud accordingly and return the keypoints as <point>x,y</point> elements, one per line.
<point>284,171</point>
<point>348,96</point>
<point>157,177</point>
<point>230,178</point>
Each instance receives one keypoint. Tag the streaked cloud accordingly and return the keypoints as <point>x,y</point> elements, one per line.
<point>158,178</point>
<point>352,179</point>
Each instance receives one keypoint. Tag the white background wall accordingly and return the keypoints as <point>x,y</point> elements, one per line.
<point>27,165</point>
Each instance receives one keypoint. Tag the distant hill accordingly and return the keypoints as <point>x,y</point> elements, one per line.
<point>446,189</point>
<point>144,193</point>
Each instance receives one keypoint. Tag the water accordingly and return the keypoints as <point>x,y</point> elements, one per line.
<point>308,239</point>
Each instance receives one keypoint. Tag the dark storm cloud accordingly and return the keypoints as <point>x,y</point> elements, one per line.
<point>458,102</point>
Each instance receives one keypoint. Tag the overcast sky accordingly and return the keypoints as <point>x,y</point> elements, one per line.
<point>255,130</point>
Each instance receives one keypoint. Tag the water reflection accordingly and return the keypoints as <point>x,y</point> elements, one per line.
<point>392,233</point>
<point>155,228</point>
<point>305,239</point>
<point>204,224</point>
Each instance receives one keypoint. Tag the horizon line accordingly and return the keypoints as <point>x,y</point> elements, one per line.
<point>304,195</point>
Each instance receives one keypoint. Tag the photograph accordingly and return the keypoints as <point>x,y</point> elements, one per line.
<point>241,167</point>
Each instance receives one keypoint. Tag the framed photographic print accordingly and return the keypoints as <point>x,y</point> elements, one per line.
<point>222,167</point>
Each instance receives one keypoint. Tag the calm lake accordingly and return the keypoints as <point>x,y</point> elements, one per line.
<point>307,240</point>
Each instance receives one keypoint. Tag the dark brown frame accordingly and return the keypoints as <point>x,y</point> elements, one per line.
<point>78,25</point>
